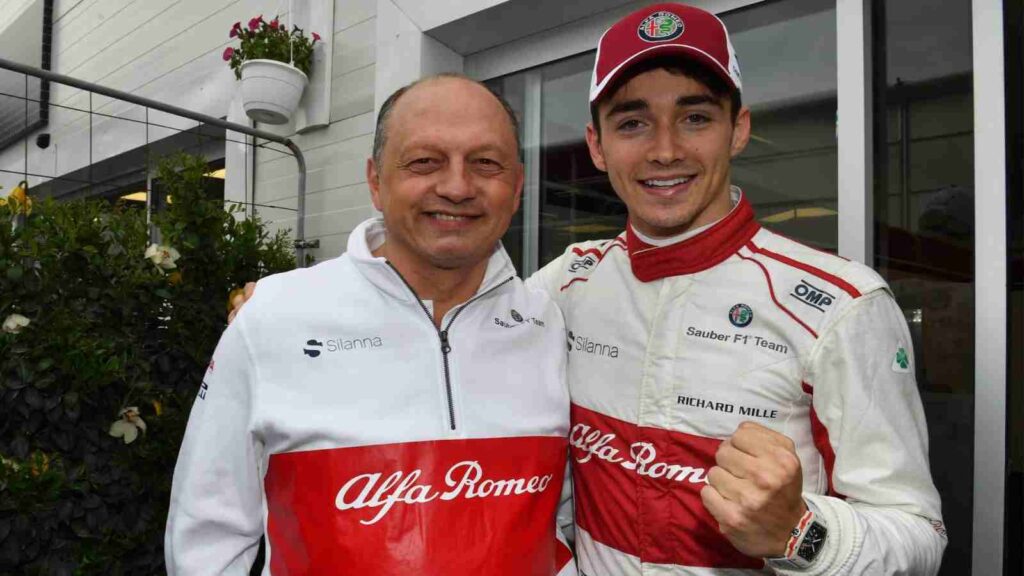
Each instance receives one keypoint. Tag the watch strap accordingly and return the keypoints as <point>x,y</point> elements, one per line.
<point>801,554</point>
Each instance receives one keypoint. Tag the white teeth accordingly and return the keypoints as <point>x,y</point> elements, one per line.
<point>666,183</point>
<point>448,217</point>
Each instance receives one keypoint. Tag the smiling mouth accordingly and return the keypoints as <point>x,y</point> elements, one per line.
<point>446,217</point>
<point>665,184</point>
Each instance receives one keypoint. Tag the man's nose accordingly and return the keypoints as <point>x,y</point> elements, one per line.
<point>456,183</point>
<point>665,147</point>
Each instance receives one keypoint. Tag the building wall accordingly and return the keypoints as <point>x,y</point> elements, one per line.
<point>166,51</point>
<point>337,198</point>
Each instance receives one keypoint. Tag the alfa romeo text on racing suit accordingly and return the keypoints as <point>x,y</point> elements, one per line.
<point>672,347</point>
<point>337,419</point>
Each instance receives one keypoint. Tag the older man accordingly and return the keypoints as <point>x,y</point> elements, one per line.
<point>401,409</point>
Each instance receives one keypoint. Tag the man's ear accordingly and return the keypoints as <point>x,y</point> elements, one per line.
<point>594,146</point>
<point>373,181</point>
<point>740,132</point>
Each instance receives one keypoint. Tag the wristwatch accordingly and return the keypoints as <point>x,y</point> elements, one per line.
<point>806,542</point>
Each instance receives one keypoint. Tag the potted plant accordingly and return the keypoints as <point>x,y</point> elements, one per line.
<point>273,65</point>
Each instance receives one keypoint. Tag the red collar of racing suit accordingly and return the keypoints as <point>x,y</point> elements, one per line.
<point>701,252</point>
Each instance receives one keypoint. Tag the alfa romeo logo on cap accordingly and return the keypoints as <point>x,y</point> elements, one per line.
<point>660,27</point>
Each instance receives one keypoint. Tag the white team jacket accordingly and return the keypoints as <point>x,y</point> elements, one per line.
<point>673,347</point>
<point>331,419</point>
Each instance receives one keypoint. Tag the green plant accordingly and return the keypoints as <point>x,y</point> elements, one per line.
<point>270,41</point>
<point>106,329</point>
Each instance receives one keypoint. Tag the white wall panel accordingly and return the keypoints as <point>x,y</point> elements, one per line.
<point>355,48</point>
<point>352,93</point>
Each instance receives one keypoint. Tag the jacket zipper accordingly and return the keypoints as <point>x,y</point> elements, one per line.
<point>442,335</point>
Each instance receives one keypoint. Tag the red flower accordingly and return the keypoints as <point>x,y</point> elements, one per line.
<point>228,53</point>
<point>254,23</point>
<point>235,29</point>
<point>316,37</point>
<point>273,23</point>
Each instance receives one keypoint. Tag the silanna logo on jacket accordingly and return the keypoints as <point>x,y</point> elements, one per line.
<point>314,347</point>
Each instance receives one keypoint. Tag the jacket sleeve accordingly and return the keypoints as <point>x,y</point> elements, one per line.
<point>216,511</point>
<point>883,512</point>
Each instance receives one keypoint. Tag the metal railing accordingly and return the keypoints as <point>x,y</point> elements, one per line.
<point>300,244</point>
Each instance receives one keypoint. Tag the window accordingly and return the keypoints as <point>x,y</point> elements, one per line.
<point>924,227</point>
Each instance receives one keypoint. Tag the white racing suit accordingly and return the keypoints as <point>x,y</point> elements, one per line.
<point>339,421</point>
<point>672,347</point>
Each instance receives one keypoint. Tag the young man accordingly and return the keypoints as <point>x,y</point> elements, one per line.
<point>741,403</point>
<point>401,409</point>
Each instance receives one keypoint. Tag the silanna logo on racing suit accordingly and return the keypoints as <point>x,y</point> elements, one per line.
<point>589,346</point>
<point>463,480</point>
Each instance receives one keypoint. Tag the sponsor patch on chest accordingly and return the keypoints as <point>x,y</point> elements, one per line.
<point>812,295</point>
<point>738,339</point>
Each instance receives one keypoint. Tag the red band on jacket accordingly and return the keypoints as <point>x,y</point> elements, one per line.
<point>831,278</point>
<point>701,252</point>
<point>450,507</point>
<point>637,490</point>
<point>771,292</point>
<point>822,443</point>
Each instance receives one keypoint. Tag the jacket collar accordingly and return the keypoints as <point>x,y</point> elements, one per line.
<point>370,235</point>
<point>707,249</point>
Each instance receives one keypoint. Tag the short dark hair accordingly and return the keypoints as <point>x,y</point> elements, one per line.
<point>380,134</point>
<point>719,88</point>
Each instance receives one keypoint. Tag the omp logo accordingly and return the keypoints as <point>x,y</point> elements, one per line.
<point>585,263</point>
<point>812,296</point>
<point>314,347</point>
<point>312,352</point>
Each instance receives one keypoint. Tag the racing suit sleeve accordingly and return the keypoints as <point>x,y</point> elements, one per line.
<point>883,511</point>
<point>547,279</point>
<point>216,511</point>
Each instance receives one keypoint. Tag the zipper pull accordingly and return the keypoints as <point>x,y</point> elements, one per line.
<point>445,346</point>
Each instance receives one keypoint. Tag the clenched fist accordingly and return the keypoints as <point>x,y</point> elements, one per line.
<point>754,492</point>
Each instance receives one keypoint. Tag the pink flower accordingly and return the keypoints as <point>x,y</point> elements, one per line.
<point>254,23</point>
<point>235,29</point>
<point>273,23</point>
<point>228,53</point>
<point>316,37</point>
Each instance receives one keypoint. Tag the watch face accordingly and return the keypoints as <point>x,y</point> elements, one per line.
<point>813,542</point>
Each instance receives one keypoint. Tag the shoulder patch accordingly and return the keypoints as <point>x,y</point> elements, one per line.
<point>585,260</point>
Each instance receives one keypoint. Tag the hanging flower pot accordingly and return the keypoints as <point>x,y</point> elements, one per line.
<point>273,65</point>
<point>271,90</point>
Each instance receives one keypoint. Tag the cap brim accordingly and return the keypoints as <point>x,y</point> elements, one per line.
<point>688,52</point>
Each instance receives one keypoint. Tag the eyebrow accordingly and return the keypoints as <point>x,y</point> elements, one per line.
<point>640,105</point>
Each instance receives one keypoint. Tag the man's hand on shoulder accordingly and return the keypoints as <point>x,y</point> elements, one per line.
<point>238,298</point>
<point>755,491</point>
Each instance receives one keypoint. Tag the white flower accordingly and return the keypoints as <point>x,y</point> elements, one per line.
<point>129,425</point>
<point>161,256</point>
<point>14,323</point>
